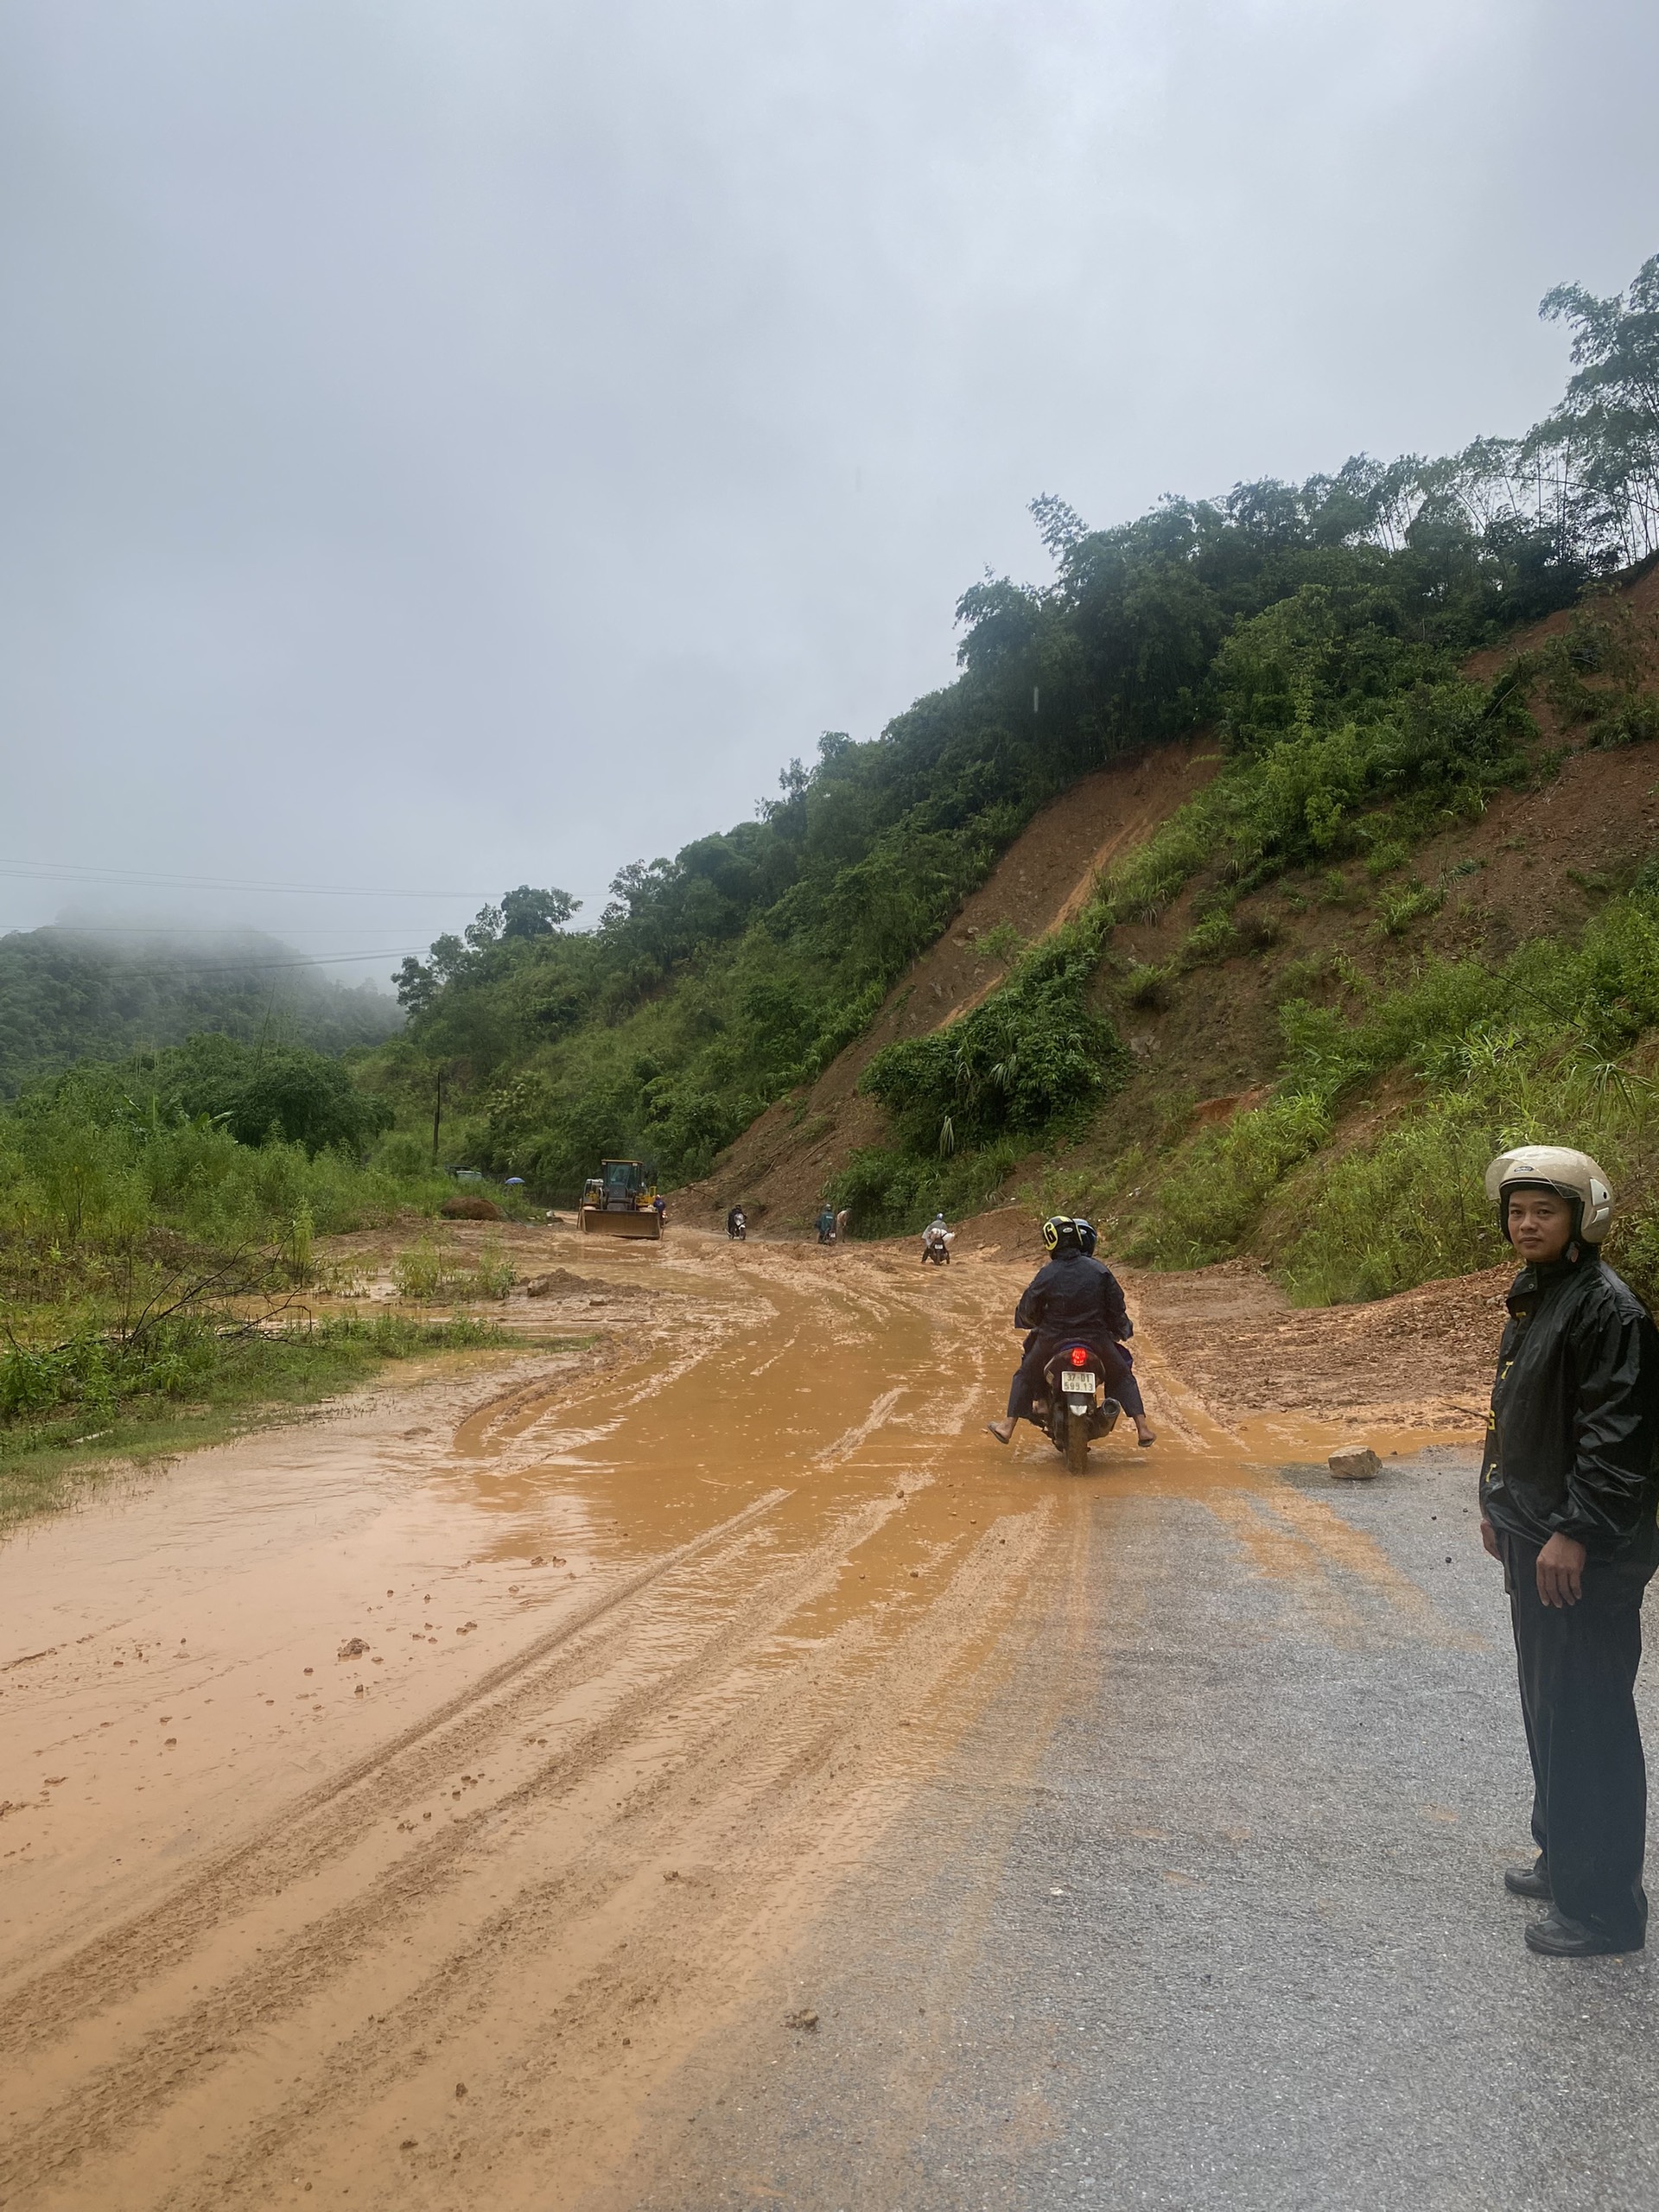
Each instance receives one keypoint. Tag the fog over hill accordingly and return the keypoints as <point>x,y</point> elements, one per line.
<point>68,992</point>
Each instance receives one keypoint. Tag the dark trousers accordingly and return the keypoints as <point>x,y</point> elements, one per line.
<point>1590,1781</point>
<point>1115,1373</point>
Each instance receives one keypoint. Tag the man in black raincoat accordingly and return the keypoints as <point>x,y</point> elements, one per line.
<point>1074,1297</point>
<point>1567,1495</point>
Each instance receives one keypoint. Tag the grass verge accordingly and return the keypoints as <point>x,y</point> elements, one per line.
<point>245,1381</point>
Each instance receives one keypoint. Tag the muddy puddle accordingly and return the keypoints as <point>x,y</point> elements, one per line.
<point>390,1801</point>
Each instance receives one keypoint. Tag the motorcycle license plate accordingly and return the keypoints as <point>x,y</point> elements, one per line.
<point>1071,1381</point>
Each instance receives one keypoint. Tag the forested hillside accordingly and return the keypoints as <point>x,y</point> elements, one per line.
<point>68,995</point>
<point>1325,636</point>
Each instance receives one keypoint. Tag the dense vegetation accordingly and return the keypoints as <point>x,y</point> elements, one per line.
<point>68,995</point>
<point>1320,627</point>
<point>158,1221</point>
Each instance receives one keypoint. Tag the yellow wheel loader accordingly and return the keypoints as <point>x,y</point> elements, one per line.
<point>621,1201</point>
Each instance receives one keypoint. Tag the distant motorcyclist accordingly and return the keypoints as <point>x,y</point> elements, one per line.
<point>1073,1297</point>
<point>737,1224</point>
<point>827,1227</point>
<point>937,1240</point>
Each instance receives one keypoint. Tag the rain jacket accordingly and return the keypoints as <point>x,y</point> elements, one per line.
<point>1572,1437</point>
<point>1074,1295</point>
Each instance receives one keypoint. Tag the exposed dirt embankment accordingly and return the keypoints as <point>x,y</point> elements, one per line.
<point>1538,861</point>
<point>1423,1359</point>
<point>1641,594</point>
<point>778,1168</point>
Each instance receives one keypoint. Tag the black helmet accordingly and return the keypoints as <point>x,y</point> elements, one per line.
<point>1086,1236</point>
<point>1061,1234</point>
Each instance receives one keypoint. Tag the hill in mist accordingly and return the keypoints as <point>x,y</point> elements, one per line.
<point>68,994</point>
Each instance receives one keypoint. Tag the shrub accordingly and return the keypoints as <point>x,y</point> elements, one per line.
<point>1398,910</point>
<point>888,1191</point>
<point>1208,1203</point>
<point>1536,1049</point>
<point>1149,986</point>
<point>1214,938</point>
<point>1029,1057</point>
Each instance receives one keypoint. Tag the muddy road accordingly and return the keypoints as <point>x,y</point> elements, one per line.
<point>569,1784</point>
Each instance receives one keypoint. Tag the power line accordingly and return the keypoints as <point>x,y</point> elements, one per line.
<point>161,932</point>
<point>250,967</point>
<point>72,872</point>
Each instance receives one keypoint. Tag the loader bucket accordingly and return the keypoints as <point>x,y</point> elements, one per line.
<point>599,1222</point>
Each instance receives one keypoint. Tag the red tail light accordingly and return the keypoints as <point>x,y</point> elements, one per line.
<point>1079,1357</point>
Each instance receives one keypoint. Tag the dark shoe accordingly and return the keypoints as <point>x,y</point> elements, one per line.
<point>1528,1881</point>
<point>1558,1937</point>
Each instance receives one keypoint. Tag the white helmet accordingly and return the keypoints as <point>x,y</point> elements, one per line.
<point>1572,1175</point>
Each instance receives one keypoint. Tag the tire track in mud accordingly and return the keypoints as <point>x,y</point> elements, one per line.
<point>976,1821</point>
<point>127,2094</point>
<point>111,1969</point>
<point>518,1924</point>
<point>744,1783</point>
<point>116,1962</point>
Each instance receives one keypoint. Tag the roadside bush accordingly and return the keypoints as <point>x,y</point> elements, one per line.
<point>1209,1201</point>
<point>1030,1057</point>
<point>1537,1050</point>
<point>889,1192</point>
<point>50,1393</point>
<point>1409,1208</point>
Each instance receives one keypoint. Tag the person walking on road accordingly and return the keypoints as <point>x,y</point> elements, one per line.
<point>1567,1495</point>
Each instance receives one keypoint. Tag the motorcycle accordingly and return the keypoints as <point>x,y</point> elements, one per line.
<point>737,1225</point>
<point>935,1250</point>
<point>1075,1412</point>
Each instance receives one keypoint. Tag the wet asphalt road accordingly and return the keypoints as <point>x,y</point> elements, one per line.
<point>1205,1914</point>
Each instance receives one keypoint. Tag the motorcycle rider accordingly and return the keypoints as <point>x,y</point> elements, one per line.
<point>1073,1296</point>
<point>1568,1490</point>
<point>936,1240</point>
<point>737,1224</point>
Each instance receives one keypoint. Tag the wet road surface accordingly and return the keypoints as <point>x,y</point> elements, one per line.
<point>1205,1913</point>
<point>1129,1840</point>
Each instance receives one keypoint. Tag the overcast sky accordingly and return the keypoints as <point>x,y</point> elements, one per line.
<point>452,445</point>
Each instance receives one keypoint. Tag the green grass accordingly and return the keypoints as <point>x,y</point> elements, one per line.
<point>223,1384</point>
<point>427,1273</point>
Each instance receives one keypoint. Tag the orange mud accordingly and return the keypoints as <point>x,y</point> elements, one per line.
<point>655,1650</point>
